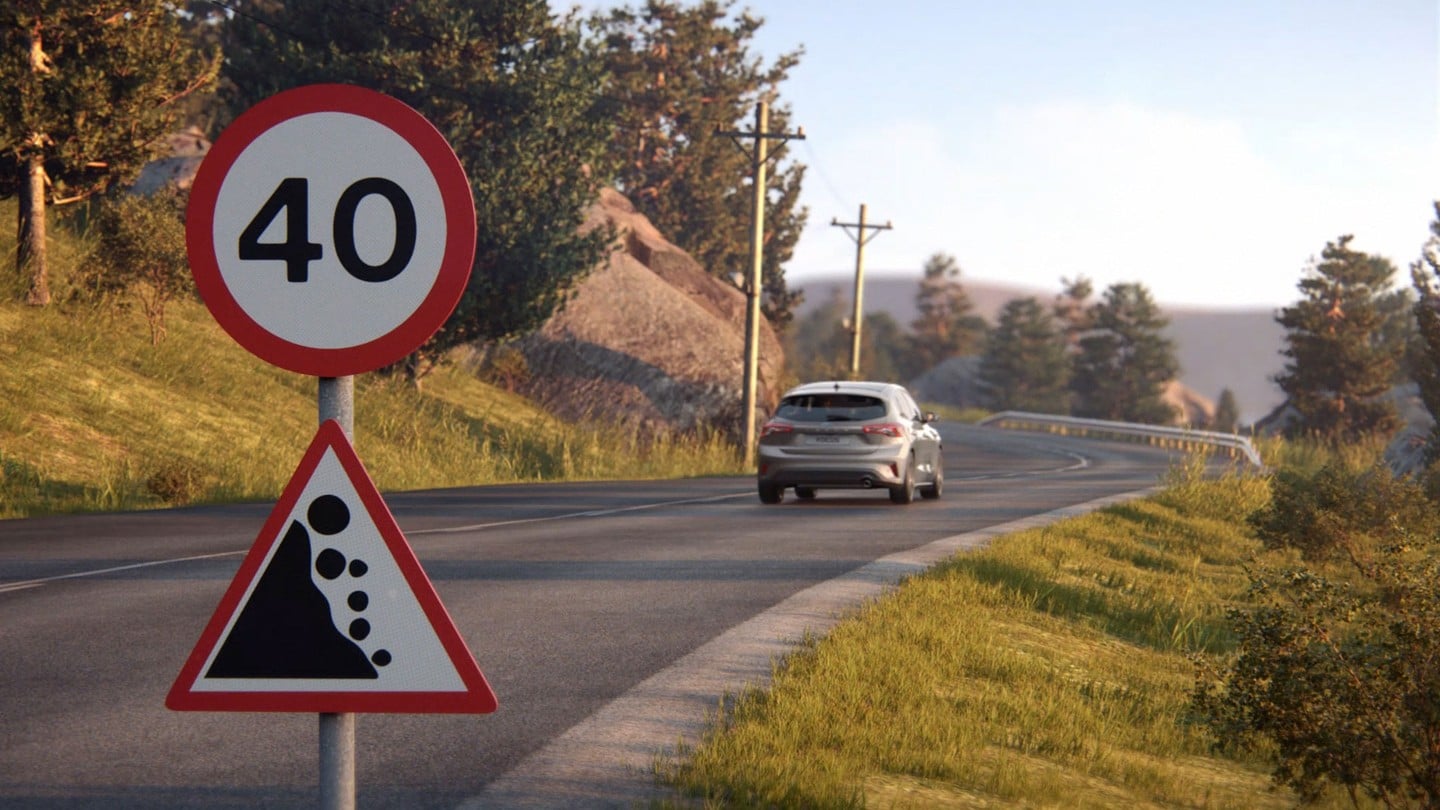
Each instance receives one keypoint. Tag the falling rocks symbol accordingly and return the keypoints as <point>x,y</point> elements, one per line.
<point>285,631</point>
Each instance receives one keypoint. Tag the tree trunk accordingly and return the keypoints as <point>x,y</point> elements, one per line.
<point>30,245</point>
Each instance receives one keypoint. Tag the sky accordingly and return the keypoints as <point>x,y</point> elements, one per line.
<point>1208,150</point>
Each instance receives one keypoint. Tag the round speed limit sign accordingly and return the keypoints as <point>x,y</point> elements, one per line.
<point>331,230</point>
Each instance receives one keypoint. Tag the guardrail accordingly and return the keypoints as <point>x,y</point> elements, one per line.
<point>1181,438</point>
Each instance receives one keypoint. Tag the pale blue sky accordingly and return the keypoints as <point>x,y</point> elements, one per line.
<point>1207,150</point>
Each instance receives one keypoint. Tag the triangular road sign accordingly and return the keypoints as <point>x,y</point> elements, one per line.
<point>331,611</point>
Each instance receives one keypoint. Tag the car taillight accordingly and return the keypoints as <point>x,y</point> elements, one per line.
<point>890,429</point>
<point>772,428</point>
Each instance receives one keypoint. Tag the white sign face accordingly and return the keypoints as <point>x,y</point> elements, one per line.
<point>331,230</point>
<point>331,611</point>
<point>322,308</point>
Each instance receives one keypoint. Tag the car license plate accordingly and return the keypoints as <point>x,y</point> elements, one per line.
<point>826,439</point>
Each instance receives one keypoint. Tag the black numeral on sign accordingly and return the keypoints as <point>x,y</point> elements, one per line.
<point>405,232</point>
<point>293,197</point>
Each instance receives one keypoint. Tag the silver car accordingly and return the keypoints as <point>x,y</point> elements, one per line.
<point>850,435</point>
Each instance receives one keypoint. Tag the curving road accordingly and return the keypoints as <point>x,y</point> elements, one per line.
<point>608,617</point>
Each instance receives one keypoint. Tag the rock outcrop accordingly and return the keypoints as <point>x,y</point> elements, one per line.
<point>649,340</point>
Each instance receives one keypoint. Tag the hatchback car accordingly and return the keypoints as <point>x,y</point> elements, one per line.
<point>850,435</point>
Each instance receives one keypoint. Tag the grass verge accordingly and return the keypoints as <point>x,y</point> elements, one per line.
<point>1052,669</point>
<point>95,418</point>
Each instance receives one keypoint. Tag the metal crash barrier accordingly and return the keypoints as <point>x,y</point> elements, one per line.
<point>1160,436</point>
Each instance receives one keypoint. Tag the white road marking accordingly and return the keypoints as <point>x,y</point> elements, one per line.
<point>21,585</point>
<point>35,583</point>
<point>605,760</point>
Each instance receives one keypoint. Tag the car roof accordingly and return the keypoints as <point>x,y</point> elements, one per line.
<point>845,386</point>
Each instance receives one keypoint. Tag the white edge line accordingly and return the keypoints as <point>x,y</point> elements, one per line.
<point>606,759</point>
<point>35,583</point>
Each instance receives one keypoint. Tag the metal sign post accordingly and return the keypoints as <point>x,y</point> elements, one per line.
<point>336,400</point>
<point>331,231</point>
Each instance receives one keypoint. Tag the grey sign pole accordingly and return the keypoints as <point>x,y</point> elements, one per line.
<point>336,401</point>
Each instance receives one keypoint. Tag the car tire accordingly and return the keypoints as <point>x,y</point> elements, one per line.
<point>937,486</point>
<point>771,493</point>
<point>805,493</point>
<point>905,492</point>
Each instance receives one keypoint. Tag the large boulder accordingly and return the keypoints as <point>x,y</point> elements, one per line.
<point>649,340</point>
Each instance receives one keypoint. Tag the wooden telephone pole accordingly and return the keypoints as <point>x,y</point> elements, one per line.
<point>760,156</point>
<point>857,315</point>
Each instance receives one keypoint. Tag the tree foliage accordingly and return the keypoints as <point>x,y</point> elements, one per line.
<point>1072,309</point>
<point>679,76</point>
<point>817,345</point>
<point>515,92</point>
<point>1341,361</point>
<point>1335,666</point>
<point>1227,412</point>
<point>1425,277</point>
<point>947,325</point>
<point>88,88</point>
<point>1124,359</point>
<point>1025,365</point>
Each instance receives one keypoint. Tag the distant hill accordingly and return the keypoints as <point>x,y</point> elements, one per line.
<point>1217,348</point>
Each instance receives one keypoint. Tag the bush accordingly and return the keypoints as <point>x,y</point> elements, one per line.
<point>1335,671</point>
<point>178,481</point>
<point>140,252</point>
<point>1342,509</point>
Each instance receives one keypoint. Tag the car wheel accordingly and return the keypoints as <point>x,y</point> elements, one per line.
<point>905,492</point>
<point>937,486</point>
<point>771,493</point>
<point>805,493</point>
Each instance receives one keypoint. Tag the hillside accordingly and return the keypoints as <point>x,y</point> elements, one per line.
<point>95,418</point>
<point>1237,349</point>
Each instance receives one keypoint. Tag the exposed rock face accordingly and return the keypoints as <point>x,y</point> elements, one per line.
<point>1191,409</point>
<point>186,150</point>
<point>649,340</point>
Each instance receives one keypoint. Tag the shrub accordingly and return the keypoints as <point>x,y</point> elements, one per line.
<point>140,252</point>
<point>1341,509</point>
<point>178,481</point>
<point>1339,675</point>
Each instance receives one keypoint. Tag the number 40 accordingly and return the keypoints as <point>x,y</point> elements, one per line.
<point>297,251</point>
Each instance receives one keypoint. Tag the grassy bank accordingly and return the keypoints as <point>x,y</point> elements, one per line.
<point>1051,669</point>
<point>93,417</point>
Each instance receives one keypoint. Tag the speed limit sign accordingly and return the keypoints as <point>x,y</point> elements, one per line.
<point>331,230</point>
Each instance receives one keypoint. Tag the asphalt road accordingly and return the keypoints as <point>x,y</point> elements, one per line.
<point>608,617</point>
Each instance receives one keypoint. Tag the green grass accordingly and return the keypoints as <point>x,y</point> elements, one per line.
<point>92,417</point>
<point>1051,669</point>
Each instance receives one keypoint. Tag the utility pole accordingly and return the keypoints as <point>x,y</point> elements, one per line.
<point>760,156</point>
<point>861,237</point>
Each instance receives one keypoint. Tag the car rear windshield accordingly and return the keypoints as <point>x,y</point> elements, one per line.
<point>830,408</point>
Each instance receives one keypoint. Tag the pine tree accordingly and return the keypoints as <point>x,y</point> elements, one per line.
<point>1124,360</point>
<point>514,91</point>
<point>678,76</point>
<point>1340,365</point>
<point>88,90</point>
<point>1072,309</point>
<point>1025,366</point>
<point>1425,277</point>
<point>1227,412</point>
<point>946,326</point>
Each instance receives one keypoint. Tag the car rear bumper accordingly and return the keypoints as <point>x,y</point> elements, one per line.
<point>838,474</point>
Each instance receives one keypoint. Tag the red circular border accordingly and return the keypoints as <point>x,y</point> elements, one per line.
<point>455,263</point>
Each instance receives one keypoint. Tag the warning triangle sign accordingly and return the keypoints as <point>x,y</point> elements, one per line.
<point>331,611</point>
